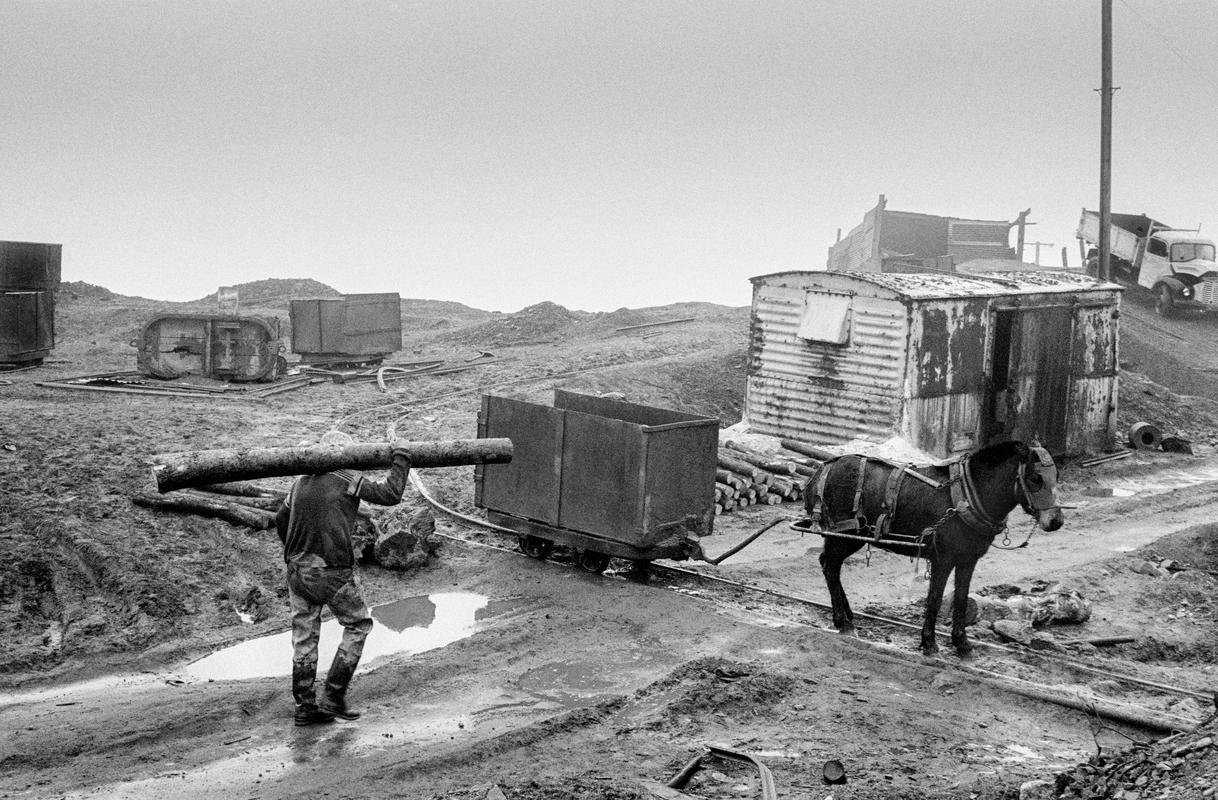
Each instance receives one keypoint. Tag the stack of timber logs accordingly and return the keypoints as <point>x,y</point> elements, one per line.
<point>239,503</point>
<point>748,477</point>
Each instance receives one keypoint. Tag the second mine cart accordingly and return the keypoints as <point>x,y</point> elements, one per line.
<point>601,476</point>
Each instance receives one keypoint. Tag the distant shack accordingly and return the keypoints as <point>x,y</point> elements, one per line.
<point>906,241</point>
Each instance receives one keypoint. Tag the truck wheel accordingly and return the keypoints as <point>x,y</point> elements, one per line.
<point>1164,302</point>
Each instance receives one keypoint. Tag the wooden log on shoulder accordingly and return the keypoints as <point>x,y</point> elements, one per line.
<point>192,504</point>
<point>178,470</point>
<point>818,453</point>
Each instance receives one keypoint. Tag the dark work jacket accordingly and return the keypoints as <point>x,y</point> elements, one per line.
<point>318,515</point>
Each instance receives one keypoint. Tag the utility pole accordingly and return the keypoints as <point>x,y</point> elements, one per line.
<point>1039,245</point>
<point>1105,138</point>
<point>1020,222</point>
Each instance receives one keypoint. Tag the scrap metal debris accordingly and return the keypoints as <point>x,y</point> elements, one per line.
<point>134,383</point>
<point>768,792</point>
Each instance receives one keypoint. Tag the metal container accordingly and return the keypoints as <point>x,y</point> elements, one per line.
<point>352,327</point>
<point>29,265</point>
<point>29,275</point>
<point>27,326</point>
<point>948,362</point>
<point>601,475</point>
<point>229,348</point>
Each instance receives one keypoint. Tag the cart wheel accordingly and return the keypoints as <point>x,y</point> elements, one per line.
<point>640,571</point>
<point>592,561</point>
<point>536,547</point>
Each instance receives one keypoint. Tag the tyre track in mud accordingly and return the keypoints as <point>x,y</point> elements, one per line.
<point>1179,352</point>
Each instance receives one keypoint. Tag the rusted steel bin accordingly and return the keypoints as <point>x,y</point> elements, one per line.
<point>601,475</point>
<point>29,275</point>
<point>363,327</point>
<point>226,348</point>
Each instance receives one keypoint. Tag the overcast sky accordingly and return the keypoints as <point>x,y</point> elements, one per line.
<point>594,154</point>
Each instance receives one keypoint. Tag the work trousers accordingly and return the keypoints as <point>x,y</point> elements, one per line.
<point>310,589</point>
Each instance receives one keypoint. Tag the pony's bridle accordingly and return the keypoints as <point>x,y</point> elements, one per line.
<point>1043,498</point>
<point>966,499</point>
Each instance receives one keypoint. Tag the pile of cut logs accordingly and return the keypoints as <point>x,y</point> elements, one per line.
<point>748,477</point>
<point>240,503</point>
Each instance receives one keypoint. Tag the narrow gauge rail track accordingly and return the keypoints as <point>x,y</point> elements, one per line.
<point>1001,669</point>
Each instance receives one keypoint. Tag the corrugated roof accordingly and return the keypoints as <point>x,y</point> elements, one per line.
<point>991,284</point>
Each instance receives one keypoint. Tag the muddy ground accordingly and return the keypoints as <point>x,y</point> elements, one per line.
<point>556,683</point>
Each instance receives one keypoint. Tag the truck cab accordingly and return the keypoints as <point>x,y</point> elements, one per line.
<point>1176,265</point>
<point>1179,267</point>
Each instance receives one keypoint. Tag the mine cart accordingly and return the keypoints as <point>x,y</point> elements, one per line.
<point>351,329</point>
<point>229,348</point>
<point>603,477</point>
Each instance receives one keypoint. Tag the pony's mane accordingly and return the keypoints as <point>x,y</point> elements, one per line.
<point>1000,452</point>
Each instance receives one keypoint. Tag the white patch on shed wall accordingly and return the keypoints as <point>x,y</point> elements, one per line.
<point>826,318</point>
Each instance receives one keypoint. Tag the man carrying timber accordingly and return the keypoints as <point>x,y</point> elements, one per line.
<point>315,524</point>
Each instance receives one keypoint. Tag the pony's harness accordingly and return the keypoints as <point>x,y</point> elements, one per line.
<point>965,501</point>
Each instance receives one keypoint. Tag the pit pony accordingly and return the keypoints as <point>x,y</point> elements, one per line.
<point>946,514</point>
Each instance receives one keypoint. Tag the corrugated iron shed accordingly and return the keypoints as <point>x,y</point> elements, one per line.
<point>948,361</point>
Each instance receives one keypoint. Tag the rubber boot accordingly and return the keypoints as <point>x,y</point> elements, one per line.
<point>307,712</point>
<point>334,698</point>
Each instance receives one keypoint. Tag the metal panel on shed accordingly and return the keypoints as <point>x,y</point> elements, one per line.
<point>818,391</point>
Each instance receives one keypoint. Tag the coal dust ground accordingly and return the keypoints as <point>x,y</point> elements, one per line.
<point>563,684</point>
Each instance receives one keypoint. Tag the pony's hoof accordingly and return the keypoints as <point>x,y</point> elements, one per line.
<point>930,650</point>
<point>848,630</point>
<point>966,653</point>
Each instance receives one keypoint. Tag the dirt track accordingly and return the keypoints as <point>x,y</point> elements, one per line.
<point>570,685</point>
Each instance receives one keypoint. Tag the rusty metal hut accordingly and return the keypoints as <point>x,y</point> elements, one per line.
<point>947,362</point>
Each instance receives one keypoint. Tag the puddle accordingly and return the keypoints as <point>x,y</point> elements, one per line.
<point>408,626</point>
<point>571,683</point>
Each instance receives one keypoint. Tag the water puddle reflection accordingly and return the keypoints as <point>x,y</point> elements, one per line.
<point>408,626</point>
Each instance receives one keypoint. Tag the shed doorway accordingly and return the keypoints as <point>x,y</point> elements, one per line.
<point>1029,393</point>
